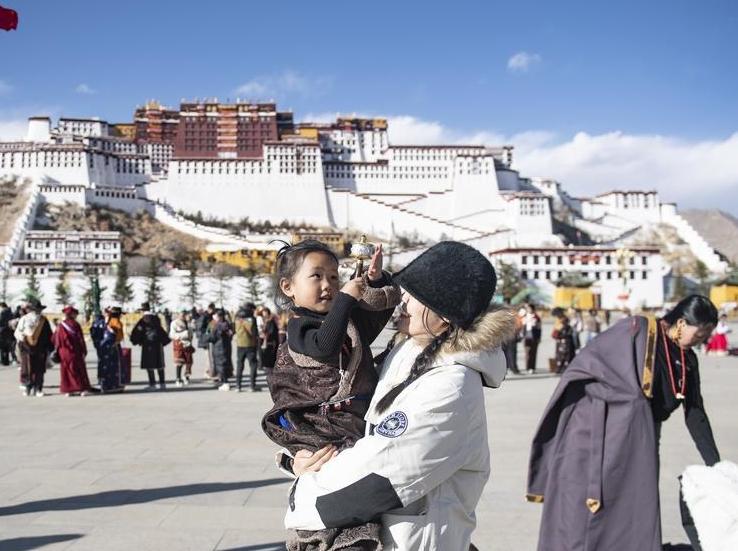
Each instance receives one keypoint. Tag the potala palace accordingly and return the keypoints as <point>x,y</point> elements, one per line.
<point>249,160</point>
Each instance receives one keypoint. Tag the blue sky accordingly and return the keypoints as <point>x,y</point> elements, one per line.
<point>540,74</point>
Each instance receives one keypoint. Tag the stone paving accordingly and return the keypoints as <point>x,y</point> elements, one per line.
<point>190,468</point>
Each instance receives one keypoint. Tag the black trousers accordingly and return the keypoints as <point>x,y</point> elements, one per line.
<point>152,378</point>
<point>33,371</point>
<point>531,351</point>
<point>243,354</point>
<point>511,355</point>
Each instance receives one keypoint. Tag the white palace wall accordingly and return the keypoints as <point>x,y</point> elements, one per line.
<point>349,210</point>
<point>263,197</point>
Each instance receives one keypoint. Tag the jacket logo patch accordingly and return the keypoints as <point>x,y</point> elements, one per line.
<point>393,425</point>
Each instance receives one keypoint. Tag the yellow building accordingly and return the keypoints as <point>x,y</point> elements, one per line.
<point>259,260</point>
<point>335,240</point>
<point>724,292</point>
<point>124,130</point>
<point>582,298</point>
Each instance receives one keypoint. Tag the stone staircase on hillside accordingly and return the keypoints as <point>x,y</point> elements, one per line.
<point>23,223</point>
<point>700,247</point>
<point>167,215</point>
<point>443,223</point>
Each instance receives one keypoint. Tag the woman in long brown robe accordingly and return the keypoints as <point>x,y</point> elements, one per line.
<point>70,346</point>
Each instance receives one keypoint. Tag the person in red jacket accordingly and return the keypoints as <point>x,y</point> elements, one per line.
<point>71,349</point>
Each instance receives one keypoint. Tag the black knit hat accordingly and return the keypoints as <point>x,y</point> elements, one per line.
<point>452,279</point>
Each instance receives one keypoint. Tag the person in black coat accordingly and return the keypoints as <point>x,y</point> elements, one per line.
<point>269,339</point>
<point>220,336</point>
<point>152,338</point>
<point>7,341</point>
<point>203,338</point>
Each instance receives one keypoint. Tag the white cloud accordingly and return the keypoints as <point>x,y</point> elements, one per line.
<point>14,120</point>
<point>521,62</point>
<point>286,83</point>
<point>5,88</point>
<point>12,130</point>
<point>84,89</point>
<point>692,173</point>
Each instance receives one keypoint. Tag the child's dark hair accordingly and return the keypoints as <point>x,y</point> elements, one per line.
<point>289,260</point>
<point>422,365</point>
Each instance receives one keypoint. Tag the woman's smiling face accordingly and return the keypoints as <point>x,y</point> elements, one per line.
<point>417,320</point>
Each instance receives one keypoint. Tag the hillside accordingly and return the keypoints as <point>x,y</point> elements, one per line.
<point>719,228</point>
<point>675,251</point>
<point>13,199</point>
<point>141,233</point>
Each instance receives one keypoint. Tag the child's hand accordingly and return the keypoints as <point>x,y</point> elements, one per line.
<point>306,461</point>
<point>375,267</point>
<point>355,288</point>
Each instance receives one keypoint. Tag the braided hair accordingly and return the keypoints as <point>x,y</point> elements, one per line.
<point>423,363</point>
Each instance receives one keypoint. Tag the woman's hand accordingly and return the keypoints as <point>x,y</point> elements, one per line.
<point>306,461</point>
<point>375,267</point>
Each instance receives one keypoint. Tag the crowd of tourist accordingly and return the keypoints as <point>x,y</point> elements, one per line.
<point>34,342</point>
<point>572,330</point>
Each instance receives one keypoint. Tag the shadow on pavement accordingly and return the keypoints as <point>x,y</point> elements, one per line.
<point>34,542</point>
<point>115,498</point>
<point>276,546</point>
<point>170,388</point>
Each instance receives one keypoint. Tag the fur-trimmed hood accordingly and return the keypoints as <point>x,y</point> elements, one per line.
<point>479,347</point>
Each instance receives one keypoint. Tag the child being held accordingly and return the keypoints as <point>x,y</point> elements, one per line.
<point>324,376</point>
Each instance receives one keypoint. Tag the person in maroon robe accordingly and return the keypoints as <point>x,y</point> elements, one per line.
<point>71,349</point>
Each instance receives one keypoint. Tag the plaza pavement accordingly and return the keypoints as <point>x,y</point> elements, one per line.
<point>190,468</point>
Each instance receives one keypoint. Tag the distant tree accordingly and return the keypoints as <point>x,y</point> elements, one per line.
<point>573,279</point>
<point>192,285</point>
<point>4,287</point>
<point>223,277</point>
<point>123,290</point>
<point>679,288</point>
<point>92,295</point>
<point>62,286</point>
<point>251,287</point>
<point>153,288</point>
<point>702,274</point>
<point>509,282</point>
<point>33,289</point>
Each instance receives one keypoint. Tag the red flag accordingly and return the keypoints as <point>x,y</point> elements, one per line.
<point>8,19</point>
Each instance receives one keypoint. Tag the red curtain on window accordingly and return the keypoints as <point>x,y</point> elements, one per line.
<point>8,19</point>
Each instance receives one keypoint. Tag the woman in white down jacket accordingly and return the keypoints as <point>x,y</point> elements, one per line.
<point>424,461</point>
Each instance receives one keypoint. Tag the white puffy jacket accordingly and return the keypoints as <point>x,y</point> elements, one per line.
<point>423,464</point>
